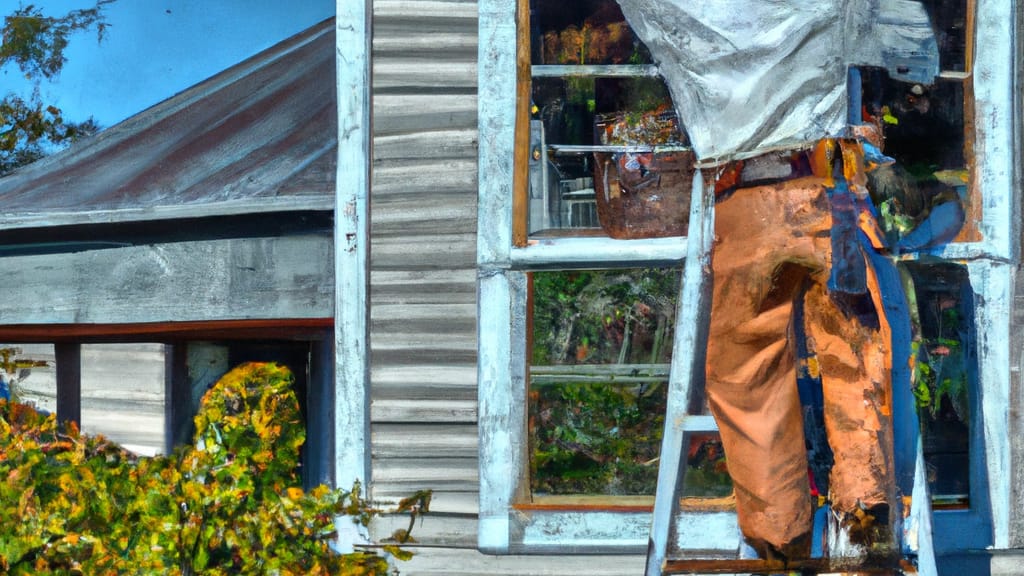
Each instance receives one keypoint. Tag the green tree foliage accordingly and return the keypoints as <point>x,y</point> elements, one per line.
<point>604,436</point>
<point>35,44</point>
<point>229,504</point>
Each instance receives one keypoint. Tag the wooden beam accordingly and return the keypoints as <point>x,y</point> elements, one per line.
<point>520,178</point>
<point>230,279</point>
<point>69,381</point>
<point>811,566</point>
<point>175,394</point>
<point>319,451</point>
<point>247,329</point>
<point>969,232</point>
<point>352,239</point>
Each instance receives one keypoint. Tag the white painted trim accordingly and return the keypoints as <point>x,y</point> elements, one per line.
<point>501,410</point>
<point>598,252</point>
<point>607,531</point>
<point>993,286</point>
<point>351,241</point>
<point>496,119</point>
<point>994,102</point>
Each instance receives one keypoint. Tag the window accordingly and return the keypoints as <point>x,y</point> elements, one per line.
<point>585,258</point>
<point>601,341</point>
<point>121,389</point>
<point>607,154</point>
<point>144,396</point>
<point>546,166</point>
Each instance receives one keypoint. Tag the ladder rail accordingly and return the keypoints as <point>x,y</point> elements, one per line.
<point>693,302</point>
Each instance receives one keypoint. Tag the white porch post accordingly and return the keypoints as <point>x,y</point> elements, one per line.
<point>351,255</point>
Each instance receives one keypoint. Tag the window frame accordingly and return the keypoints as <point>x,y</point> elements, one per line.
<point>504,257</point>
<point>502,268</point>
<point>993,81</point>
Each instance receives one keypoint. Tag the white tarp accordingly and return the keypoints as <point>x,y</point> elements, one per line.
<point>746,75</point>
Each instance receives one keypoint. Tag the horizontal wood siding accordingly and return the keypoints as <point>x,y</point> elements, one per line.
<point>423,291</point>
<point>215,280</point>
<point>449,562</point>
<point>423,265</point>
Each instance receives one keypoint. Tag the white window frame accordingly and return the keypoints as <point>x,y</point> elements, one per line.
<point>990,264</point>
<point>502,295</point>
<point>502,318</point>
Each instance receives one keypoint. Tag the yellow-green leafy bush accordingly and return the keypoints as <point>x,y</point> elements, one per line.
<point>229,504</point>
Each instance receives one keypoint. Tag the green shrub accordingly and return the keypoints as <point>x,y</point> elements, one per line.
<point>229,504</point>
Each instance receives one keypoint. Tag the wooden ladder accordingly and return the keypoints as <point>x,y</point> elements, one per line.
<point>711,549</point>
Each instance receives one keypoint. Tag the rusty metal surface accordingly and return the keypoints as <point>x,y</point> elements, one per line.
<point>260,136</point>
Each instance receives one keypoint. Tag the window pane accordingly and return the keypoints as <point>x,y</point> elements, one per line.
<point>926,129</point>
<point>593,167</point>
<point>943,376</point>
<point>583,32</point>
<point>949,21</point>
<point>601,345</point>
<point>123,394</point>
<point>585,110</point>
<point>706,475</point>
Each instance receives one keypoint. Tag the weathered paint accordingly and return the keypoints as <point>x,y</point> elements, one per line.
<point>243,278</point>
<point>707,533</point>
<point>423,264</point>
<point>597,252</point>
<point>351,260</point>
<point>997,121</point>
<point>497,117</point>
<point>452,562</point>
<point>502,435</point>
<point>591,530</point>
<point>992,283</point>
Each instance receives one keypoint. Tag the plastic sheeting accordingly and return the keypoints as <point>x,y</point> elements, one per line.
<point>750,75</point>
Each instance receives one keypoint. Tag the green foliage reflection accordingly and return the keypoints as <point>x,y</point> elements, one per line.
<point>596,427</point>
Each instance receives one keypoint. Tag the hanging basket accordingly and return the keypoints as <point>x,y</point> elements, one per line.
<point>642,194</point>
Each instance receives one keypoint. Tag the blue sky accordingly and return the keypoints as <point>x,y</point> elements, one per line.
<point>157,48</point>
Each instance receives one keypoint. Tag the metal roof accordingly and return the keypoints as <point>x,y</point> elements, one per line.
<point>257,137</point>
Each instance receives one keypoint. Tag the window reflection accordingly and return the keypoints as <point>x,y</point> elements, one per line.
<point>601,347</point>
<point>608,155</point>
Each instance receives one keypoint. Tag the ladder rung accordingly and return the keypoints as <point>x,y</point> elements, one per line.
<point>699,423</point>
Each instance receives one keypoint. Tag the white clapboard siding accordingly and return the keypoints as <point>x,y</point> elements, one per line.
<point>424,382</point>
<point>415,440</point>
<point>436,410</point>
<point>440,143</point>
<point>420,73</point>
<point>426,252</point>
<point>412,113</point>
<point>424,177</point>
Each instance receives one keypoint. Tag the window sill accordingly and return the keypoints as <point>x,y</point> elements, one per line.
<point>586,502</point>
